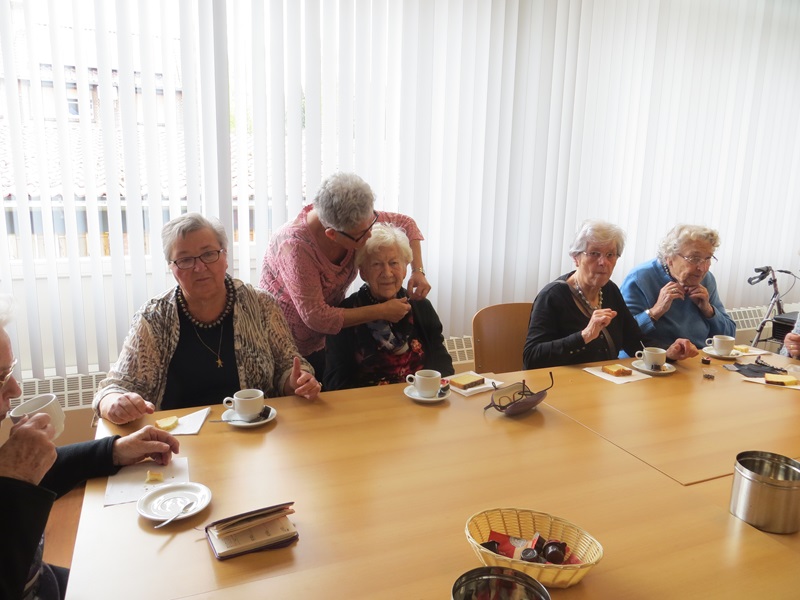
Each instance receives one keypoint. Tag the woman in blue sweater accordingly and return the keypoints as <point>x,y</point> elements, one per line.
<point>674,295</point>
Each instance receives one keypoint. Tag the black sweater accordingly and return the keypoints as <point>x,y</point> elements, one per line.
<point>554,333</point>
<point>25,507</point>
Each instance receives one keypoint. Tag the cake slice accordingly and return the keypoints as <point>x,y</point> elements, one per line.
<point>775,379</point>
<point>466,381</point>
<point>616,370</point>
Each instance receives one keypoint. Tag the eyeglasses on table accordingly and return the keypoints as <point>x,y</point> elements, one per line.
<point>516,398</point>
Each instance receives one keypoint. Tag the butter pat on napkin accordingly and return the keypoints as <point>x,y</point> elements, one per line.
<point>167,423</point>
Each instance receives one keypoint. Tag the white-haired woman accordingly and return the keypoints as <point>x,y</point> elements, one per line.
<point>309,264</point>
<point>674,295</point>
<point>203,340</point>
<point>382,351</point>
<point>581,317</point>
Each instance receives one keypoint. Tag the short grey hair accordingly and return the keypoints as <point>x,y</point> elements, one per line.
<point>344,201</point>
<point>682,234</point>
<point>385,235</point>
<point>597,232</point>
<point>180,227</point>
<point>6,310</point>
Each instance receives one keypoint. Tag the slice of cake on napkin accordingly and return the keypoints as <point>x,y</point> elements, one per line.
<point>466,381</point>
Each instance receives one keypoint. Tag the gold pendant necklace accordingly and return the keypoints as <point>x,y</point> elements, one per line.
<point>219,350</point>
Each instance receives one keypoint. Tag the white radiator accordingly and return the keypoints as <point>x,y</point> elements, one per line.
<point>72,391</point>
<point>460,350</point>
<point>747,321</point>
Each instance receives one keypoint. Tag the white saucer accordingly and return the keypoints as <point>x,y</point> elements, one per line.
<point>411,392</point>
<point>230,416</point>
<point>732,356</point>
<point>640,365</point>
<point>164,501</point>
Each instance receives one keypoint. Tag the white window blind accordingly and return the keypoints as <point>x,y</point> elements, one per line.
<point>498,125</point>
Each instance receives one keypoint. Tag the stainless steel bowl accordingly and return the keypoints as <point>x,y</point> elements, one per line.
<point>489,582</point>
<point>766,491</point>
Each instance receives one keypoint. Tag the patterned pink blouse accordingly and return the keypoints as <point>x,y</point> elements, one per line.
<point>308,286</point>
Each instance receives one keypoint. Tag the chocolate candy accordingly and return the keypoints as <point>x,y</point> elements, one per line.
<point>554,552</point>
<point>530,555</point>
<point>491,545</point>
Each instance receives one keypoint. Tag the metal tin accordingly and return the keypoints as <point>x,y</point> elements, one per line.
<point>487,582</point>
<point>766,491</point>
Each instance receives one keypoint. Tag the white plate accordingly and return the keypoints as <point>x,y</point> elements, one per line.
<point>732,356</point>
<point>640,365</point>
<point>230,417</point>
<point>411,392</point>
<point>164,501</point>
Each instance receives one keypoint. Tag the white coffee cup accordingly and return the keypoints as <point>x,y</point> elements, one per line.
<point>43,403</point>
<point>247,404</point>
<point>723,344</point>
<point>653,358</point>
<point>427,382</point>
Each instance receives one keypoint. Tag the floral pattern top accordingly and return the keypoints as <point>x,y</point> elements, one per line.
<point>263,346</point>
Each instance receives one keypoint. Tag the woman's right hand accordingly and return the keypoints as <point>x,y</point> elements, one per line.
<point>29,452</point>
<point>395,309</point>
<point>669,293</point>
<point>124,408</point>
<point>600,318</point>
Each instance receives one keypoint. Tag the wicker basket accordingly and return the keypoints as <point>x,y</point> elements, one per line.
<point>524,524</point>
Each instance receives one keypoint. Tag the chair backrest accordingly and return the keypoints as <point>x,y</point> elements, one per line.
<point>498,336</point>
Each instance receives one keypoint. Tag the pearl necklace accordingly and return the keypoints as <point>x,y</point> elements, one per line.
<point>585,301</point>
<point>666,270</point>
<point>230,296</point>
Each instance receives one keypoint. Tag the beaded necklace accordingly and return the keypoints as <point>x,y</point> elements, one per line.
<point>230,296</point>
<point>585,301</point>
<point>666,270</point>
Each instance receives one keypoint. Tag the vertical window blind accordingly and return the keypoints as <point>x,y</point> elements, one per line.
<point>498,125</point>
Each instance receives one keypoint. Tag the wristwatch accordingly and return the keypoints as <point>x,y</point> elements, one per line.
<point>649,314</point>
<point>418,270</point>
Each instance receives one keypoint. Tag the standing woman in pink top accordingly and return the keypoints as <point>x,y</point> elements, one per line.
<point>309,265</point>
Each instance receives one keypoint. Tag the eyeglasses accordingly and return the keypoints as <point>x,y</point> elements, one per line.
<point>4,379</point>
<point>761,362</point>
<point>595,256</point>
<point>698,260</point>
<point>365,232</point>
<point>516,398</point>
<point>188,262</point>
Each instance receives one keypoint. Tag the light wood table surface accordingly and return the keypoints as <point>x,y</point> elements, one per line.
<point>383,488</point>
<point>687,427</point>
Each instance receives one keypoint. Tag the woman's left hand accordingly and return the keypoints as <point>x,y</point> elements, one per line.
<point>699,295</point>
<point>418,286</point>
<point>792,344</point>
<point>680,349</point>
<point>302,383</point>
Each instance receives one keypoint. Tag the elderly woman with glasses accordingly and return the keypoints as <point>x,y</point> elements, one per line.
<point>203,340</point>
<point>581,317</point>
<point>381,351</point>
<point>674,295</point>
<point>309,265</point>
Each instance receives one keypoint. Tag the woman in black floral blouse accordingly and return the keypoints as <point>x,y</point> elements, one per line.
<point>382,352</point>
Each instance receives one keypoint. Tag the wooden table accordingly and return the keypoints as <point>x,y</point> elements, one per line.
<point>687,427</point>
<point>384,486</point>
